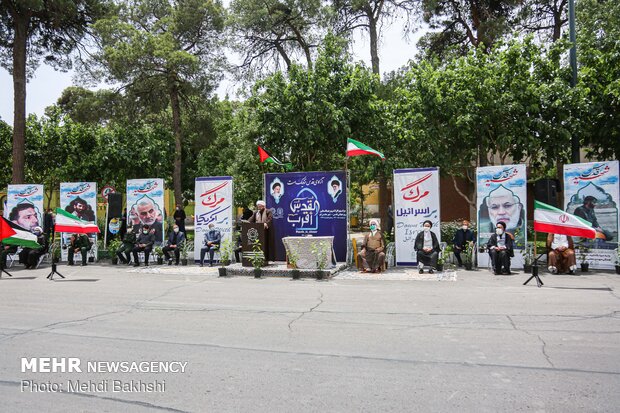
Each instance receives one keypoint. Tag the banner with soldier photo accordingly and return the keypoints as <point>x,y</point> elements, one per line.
<point>24,206</point>
<point>416,199</point>
<point>145,205</point>
<point>214,206</point>
<point>591,192</point>
<point>80,200</point>
<point>502,197</point>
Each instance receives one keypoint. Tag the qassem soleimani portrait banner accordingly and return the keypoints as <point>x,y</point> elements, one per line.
<point>502,197</point>
<point>145,205</point>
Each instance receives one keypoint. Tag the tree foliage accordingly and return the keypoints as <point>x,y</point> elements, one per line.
<point>31,30</point>
<point>162,51</point>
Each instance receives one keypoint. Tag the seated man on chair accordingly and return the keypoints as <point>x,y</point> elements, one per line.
<point>501,248</point>
<point>129,241</point>
<point>5,251</point>
<point>79,243</point>
<point>174,243</point>
<point>461,237</point>
<point>144,243</point>
<point>427,247</point>
<point>211,243</point>
<point>372,254</point>
<point>561,254</point>
<point>30,256</point>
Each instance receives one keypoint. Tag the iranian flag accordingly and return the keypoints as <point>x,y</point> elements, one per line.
<point>556,221</point>
<point>12,234</point>
<point>66,222</point>
<point>266,157</point>
<point>355,148</point>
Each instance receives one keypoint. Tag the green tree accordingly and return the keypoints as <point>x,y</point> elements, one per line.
<point>598,53</point>
<point>6,133</point>
<point>269,32</point>
<point>163,51</point>
<point>514,102</point>
<point>461,25</point>
<point>31,30</point>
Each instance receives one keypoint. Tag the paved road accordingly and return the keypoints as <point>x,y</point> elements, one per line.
<point>482,343</point>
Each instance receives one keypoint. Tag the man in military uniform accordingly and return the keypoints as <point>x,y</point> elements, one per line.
<point>30,256</point>
<point>79,243</point>
<point>129,241</point>
<point>6,250</point>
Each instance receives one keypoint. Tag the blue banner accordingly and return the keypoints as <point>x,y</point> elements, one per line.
<point>308,203</point>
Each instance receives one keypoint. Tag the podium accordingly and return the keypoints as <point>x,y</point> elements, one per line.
<point>250,232</point>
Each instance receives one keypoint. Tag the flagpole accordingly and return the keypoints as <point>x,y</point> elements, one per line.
<point>346,174</point>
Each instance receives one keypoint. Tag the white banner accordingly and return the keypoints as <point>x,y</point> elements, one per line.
<point>502,197</point>
<point>79,199</point>
<point>214,204</point>
<point>591,192</point>
<point>24,205</point>
<point>416,199</point>
<point>145,205</point>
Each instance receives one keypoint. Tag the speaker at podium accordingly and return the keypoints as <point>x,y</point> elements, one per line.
<point>250,232</point>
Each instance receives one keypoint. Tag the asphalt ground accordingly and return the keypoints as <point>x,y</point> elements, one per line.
<point>472,342</point>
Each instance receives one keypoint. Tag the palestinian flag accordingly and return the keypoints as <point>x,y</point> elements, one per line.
<point>556,221</point>
<point>266,157</point>
<point>355,148</point>
<point>66,222</point>
<point>12,234</point>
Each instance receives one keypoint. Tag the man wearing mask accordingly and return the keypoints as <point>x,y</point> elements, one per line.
<point>144,243</point>
<point>129,242</point>
<point>174,243</point>
<point>210,244</point>
<point>179,218</point>
<point>79,243</point>
<point>427,247</point>
<point>372,254</point>
<point>265,216</point>
<point>462,236</point>
<point>30,256</point>
<point>501,248</point>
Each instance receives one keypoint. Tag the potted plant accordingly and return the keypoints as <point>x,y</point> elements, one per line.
<point>528,257</point>
<point>293,257</point>
<point>440,262</point>
<point>258,258</point>
<point>583,257</point>
<point>468,254</point>
<point>184,251</point>
<point>320,251</point>
<point>159,253</point>
<point>225,254</point>
<point>113,248</point>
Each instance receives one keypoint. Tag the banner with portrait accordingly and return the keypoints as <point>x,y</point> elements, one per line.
<point>24,205</point>
<point>80,200</point>
<point>308,203</point>
<point>214,205</point>
<point>502,197</point>
<point>145,205</point>
<point>591,191</point>
<point>416,199</point>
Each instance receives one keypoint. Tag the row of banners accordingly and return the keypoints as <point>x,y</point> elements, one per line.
<point>502,196</point>
<point>315,203</point>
